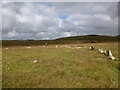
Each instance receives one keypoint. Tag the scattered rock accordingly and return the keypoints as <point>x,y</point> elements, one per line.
<point>92,48</point>
<point>78,47</point>
<point>35,61</point>
<point>111,57</point>
<point>28,47</point>
<point>6,48</point>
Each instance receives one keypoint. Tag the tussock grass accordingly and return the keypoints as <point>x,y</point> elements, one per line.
<point>60,67</point>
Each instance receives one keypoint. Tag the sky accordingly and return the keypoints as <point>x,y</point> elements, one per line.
<point>50,20</point>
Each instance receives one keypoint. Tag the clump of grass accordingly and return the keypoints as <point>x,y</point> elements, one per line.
<point>59,68</point>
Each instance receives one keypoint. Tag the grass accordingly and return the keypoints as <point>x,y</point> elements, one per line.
<point>65,40</point>
<point>93,38</point>
<point>59,67</point>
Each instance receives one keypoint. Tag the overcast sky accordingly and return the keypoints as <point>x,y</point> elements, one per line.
<point>38,20</point>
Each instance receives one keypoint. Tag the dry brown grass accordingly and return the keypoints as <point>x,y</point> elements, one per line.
<point>60,67</point>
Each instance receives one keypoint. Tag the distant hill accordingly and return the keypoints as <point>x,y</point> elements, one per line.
<point>64,40</point>
<point>92,38</point>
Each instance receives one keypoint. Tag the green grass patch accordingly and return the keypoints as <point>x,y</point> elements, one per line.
<point>59,67</point>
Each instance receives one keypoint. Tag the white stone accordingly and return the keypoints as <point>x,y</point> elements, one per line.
<point>105,51</point>
<point>111,57</point>
<point>6,48</point>
<point>90,47</point>
<point>110,53</point>
<point>101,51</point>
<point>28,47</point>
<point>78,47</point>
<point>35,61</point>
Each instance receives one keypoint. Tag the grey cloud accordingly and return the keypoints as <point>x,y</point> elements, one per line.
<point>42,20</point>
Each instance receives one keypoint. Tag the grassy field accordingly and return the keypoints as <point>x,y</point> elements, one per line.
<point>65,40</point>
<point>60,67</point>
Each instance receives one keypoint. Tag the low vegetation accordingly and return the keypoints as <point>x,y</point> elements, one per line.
<point>66,40</point>
<point>60,67</point>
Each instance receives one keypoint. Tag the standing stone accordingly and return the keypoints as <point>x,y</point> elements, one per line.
<point>46,44</point>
